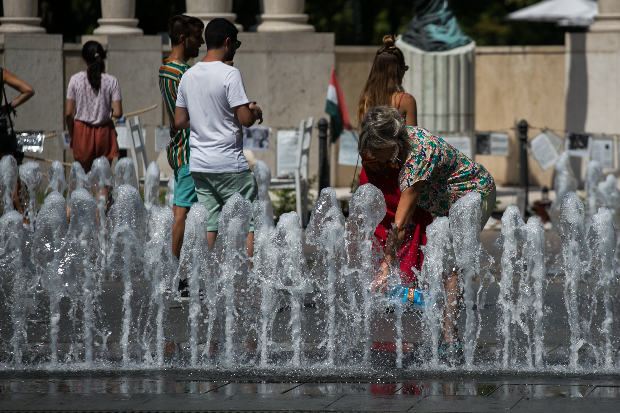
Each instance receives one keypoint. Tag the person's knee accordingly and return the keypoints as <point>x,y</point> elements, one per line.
<point>180,214</point>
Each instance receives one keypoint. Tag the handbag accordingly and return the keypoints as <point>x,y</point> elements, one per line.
<point>8,140</point>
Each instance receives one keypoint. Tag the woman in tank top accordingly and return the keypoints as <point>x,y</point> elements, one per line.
<point>384,87</point>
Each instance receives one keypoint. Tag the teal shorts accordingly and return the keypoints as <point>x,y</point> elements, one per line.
<point>184,191</point>
<point>214,189</point>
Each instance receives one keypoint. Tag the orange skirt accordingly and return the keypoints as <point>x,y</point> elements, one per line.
<point>91,142</point>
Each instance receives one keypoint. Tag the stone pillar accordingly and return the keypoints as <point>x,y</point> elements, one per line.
<point>608,18</point>
<point>118,19</point>
<point>283,16</point>
<point>20,16</point>
<point>207,10</point>
<point>443,86</point>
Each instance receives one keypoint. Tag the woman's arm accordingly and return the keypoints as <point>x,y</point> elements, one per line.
<point>70,118</point>
<point>406,207</point>
<point>26,91</point>
<point>117,109</point>
<point>409,109</point>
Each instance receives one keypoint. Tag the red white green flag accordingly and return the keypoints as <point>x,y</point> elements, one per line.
<point>336,108</point>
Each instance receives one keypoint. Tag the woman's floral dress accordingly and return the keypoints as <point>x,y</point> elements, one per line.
<point>446,172</point>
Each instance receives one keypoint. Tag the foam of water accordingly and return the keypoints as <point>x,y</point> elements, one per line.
<point>125,173</point>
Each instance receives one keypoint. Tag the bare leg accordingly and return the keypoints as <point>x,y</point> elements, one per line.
<point>178,228</point>
<point>249,245</point>
<point>211,236</point>
<point>451,309</point>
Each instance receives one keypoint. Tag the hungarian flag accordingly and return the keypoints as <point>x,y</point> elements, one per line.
<point>336,108</point>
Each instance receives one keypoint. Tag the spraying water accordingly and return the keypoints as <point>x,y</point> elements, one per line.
<point>563,183</point>
<point>195,262</point>
<point>262,173</point>
<point>594,176</point>
<point>30,176</point>
<point>366,210</point>
<point>151,186</point>
<point>8,181</point>
<point>127,227</point>
<point>125,173</point>
<point>77,180</point>
<point>49,236</point>
<point>56,178</point>
<point>326,232</point>
<point>159,268</point>
<point>465,216</point>
<point>100,178</point>
<point>17,275</point>
<point>170,194</point>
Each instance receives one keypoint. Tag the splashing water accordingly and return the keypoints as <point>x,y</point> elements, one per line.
<point>564,182</point>
<point>170,194</point>
<point>594,176</point>
<point>30,176</point>
<point>366,210</point>
<point>8,181</point>
<point>56,178</point>
<point>77,180</point>
<point>263,179</point>
<point>125,173</point>
<point>151,186</point>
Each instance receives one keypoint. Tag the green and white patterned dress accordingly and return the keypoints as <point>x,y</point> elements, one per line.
<point>446,172</point>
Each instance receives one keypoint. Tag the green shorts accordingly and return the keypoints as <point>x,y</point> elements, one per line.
<point>184,191</point>
<point>214,189</point>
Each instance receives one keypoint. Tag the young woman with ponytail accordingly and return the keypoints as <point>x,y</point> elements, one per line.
<point>384,87</point>
<point>93,98</point>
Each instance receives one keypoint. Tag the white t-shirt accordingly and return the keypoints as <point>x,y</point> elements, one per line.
<point>210,91</point>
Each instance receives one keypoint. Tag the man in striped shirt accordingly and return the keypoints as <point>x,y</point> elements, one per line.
<point>185,34</point>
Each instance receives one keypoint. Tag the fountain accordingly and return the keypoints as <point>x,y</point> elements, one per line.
<point>102,284</point>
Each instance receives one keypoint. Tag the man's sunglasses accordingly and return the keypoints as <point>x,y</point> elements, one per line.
<point>237,44</point>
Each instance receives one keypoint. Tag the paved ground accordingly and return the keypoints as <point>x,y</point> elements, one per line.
<point>484,394</point>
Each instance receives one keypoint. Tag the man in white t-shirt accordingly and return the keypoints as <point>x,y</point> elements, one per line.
<point>212,95</point>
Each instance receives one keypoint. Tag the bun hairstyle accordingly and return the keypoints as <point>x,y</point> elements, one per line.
<point>94,56</point>
<point>385,77</point>
<point>389,41</point>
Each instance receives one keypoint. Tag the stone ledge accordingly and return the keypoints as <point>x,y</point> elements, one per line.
<point>287,42</point>
<point>520,50</point>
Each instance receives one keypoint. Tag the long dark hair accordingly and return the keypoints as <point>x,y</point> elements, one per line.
<point>385,78</point>
<point>94,55</point>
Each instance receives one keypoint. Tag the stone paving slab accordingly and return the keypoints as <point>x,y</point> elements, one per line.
<point>372,402</point>
<point>466,404</point>
<point>206,401</point>
<point>244,402</point>
<point>566,405</point>
<point>103,401</point>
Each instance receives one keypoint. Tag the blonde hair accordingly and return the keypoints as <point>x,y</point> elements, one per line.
<point>385,77</point>
<point>383,127</point>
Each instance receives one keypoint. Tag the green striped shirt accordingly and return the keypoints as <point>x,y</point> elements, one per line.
<point>170,73</point>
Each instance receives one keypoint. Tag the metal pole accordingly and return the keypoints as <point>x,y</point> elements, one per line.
<point>323,155</point>
<point>523,168</point>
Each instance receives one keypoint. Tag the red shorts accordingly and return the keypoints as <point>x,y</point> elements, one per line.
<point>91,142</point>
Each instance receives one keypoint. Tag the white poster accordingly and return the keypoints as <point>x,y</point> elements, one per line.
<point>499,144</point>
<point>286,152</point>
<point>256,138</point>
<point>556,141</point>
<point>543,150</point>
<point>602,150</point>
<point>460,143</point>
<point>162,138</point>
<point>347,154</point>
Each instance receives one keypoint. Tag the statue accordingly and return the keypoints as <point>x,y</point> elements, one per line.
<point>434,27</point>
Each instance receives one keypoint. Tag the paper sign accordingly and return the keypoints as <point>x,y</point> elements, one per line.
<point>578,144</point>
<point>460,143</point>
<point>499,144</point>
<point>286,152</point>
<point>121,136</point>
<point>256,138</point>
<point>602,150</point>
<point>30,141</point>
<point>556,141</point>
<point>347,154</point>
<point>162,138</point>
<point>543,150</point>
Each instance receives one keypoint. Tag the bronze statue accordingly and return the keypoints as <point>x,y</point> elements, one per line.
<point>434,27</point>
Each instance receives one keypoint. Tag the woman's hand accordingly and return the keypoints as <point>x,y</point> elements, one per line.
<point>380,278</point>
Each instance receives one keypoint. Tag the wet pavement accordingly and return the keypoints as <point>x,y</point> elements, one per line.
<point>476,394</point>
